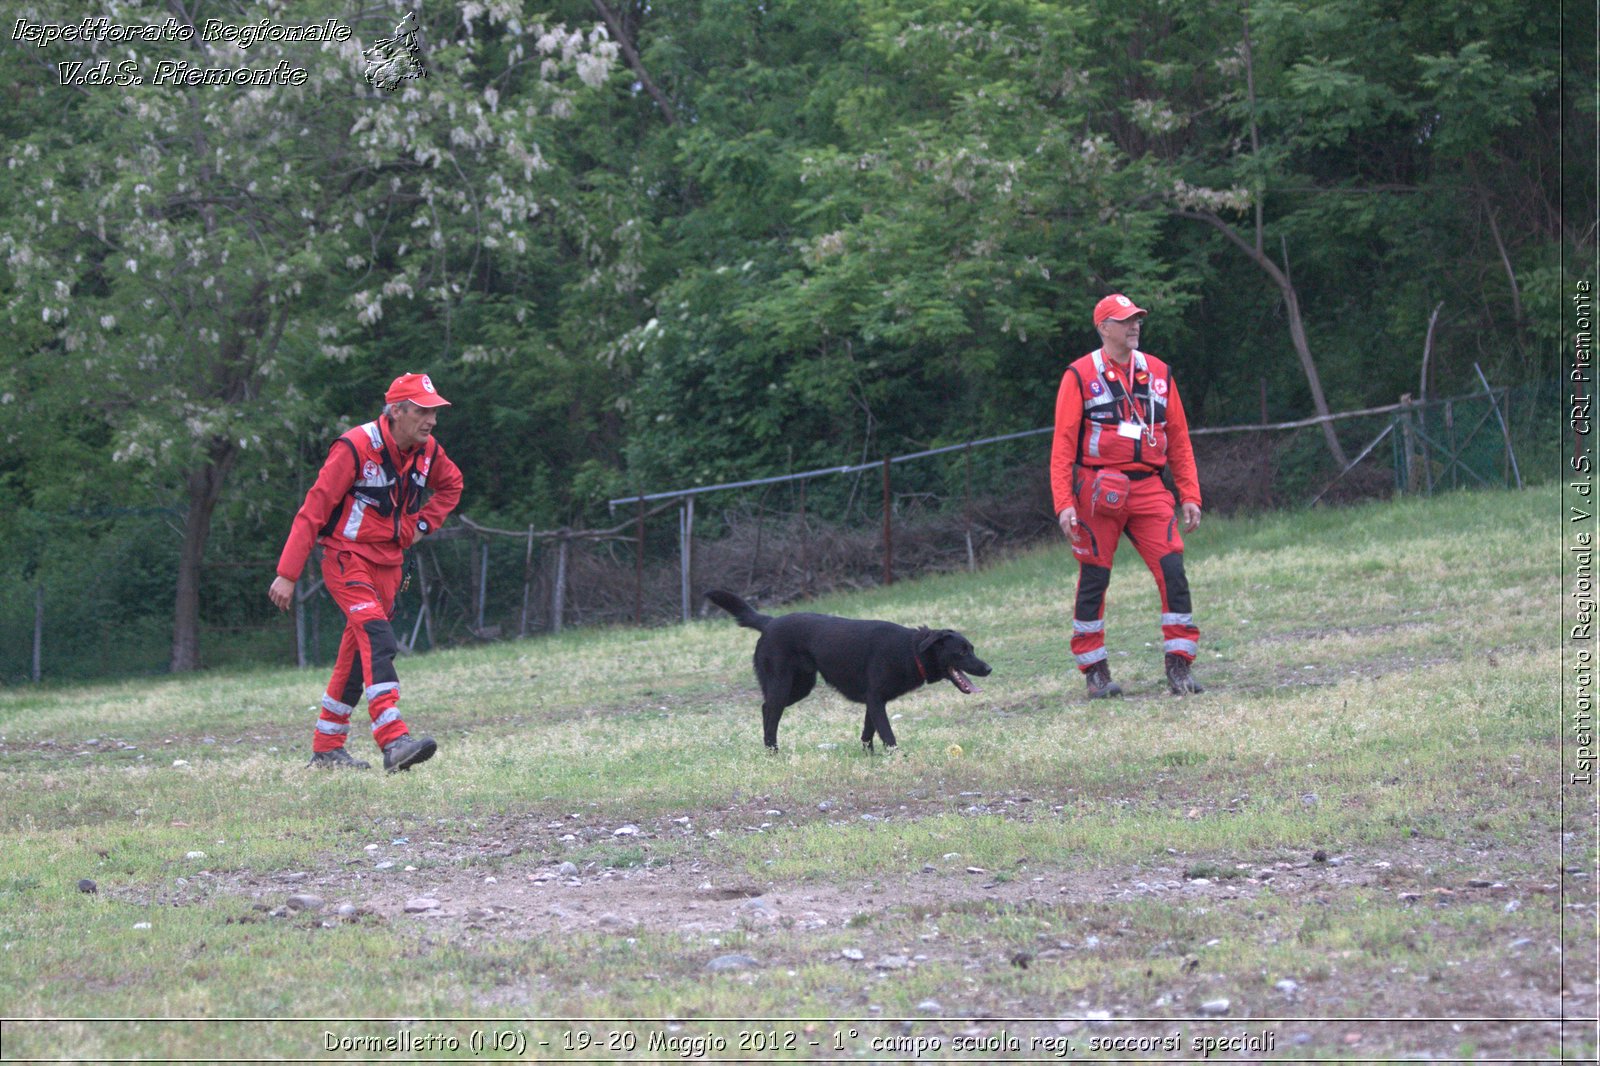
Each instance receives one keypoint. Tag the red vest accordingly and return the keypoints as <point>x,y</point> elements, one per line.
<point>385,490</point>
<point>1124,422</point>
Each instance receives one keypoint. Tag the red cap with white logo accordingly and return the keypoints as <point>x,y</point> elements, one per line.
<point>417,388</point>
<point>1118,307</point>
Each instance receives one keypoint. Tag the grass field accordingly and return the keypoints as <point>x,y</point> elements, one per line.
<point>1350,847</point>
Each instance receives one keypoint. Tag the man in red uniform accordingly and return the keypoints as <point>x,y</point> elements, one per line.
<point>1118,410</point>
<point>383,485</point>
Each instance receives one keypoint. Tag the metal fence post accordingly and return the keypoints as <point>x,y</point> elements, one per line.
<point>38,631</point>
<point>1455,449</point>
<point>483,580</point>
<point>1505,431</point>
<point>966,508</point>
<point>299,626</point>
<point>755,556</point>
<point>558,593</point>
<point>638,570</point>
<point>888,528</point>
<point>527,585</point>
<point>424,612</point>
<point>805,541</point>
<point>685,550</point>
<point>314,641</point>
<point>1398,457</point>
<point>1408,450</point>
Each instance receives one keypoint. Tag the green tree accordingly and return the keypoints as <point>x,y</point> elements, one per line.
<point>1368,160</point>
<point>882,209</point>
<point>193,248</point>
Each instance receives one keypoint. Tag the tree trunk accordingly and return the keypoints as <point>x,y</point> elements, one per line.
<point>635,62</point>
<point>1297,329</point>
<point>232,378</point>
<point>204,488</point>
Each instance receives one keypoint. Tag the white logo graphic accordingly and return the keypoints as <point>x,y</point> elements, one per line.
<point>396,59</point>
<point>369,470</point>
<point>427,383</point>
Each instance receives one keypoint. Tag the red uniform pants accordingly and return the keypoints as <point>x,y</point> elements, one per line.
<point>1151,523</point>
<point>365,593</point>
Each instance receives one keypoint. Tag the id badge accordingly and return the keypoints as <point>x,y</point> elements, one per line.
<point>1128,429</point>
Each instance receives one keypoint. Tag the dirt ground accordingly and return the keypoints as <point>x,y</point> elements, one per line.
<point>509,882</point>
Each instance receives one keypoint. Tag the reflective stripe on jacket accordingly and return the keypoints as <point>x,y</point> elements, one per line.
<point>1096,399</point>
<point>369,497</point>
<point>384,491</point>
<point>1111,400</point>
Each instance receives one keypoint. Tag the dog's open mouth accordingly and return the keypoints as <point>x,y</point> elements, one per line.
<point>961,681</point>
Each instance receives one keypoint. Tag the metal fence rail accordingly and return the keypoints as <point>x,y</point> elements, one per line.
<point>475,582</point>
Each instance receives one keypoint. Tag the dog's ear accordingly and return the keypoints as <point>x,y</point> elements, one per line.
<point>927,638</point>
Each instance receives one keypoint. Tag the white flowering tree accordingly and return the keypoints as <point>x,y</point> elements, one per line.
<point>177,248</point>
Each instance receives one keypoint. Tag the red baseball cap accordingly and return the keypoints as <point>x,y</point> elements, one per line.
<point>417,388</point>
<point>1116,306</point>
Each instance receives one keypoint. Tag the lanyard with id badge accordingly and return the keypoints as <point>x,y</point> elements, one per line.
<point>1136,426</point>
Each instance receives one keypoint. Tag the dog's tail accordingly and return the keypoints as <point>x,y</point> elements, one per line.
<point>742,612</point>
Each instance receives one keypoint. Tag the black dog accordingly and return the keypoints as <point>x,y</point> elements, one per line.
<point>868,662</point>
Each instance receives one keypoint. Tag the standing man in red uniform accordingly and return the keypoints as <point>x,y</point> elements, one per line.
<point>384,484</point>
<point>1118,411</point>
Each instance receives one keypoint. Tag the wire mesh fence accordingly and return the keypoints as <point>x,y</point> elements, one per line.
<point>788,537</point>
<point>780,538</point>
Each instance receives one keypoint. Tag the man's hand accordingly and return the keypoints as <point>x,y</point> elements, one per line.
<point>281,593</point>
<point>1191,516</point>
<point>1069,521</point>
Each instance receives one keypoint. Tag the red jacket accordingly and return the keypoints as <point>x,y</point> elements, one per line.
<point>1096,399</point>
<point>369,498</point>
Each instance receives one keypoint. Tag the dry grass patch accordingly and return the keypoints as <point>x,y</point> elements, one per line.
<point>1380,831</point>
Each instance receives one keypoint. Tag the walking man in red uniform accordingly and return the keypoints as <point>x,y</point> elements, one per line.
<point>384,484</point>
<point>1118,423</point>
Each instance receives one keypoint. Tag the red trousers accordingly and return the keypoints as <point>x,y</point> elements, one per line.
<point>1151,523</point>
<point>365,593</point>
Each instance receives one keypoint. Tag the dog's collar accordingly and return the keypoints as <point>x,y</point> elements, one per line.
<point>916,657</point>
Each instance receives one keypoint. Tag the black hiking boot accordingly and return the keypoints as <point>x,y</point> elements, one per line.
<point>1098,677</point>
<point>1179,679</point>
<point>406,751</point>
<point>336,759</point>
